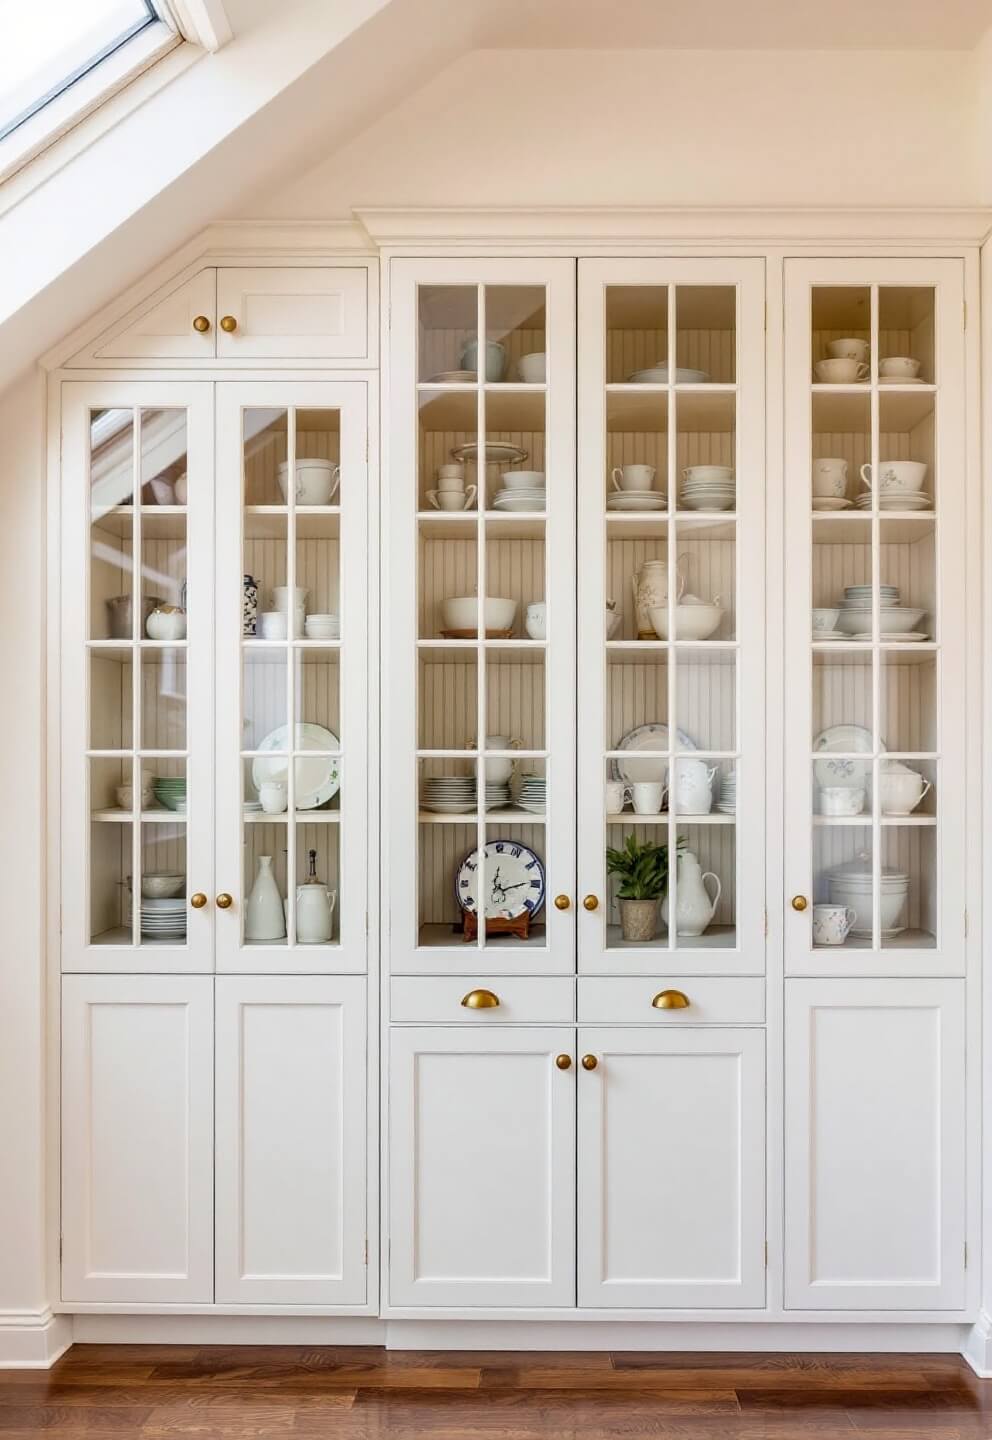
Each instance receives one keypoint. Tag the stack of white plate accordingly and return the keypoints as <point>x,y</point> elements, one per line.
<point>497,794</point>
<point>532,793</point>
<point>163,919</point>
<point>852,885</point>
<point>708,487</point>
<point>322,627</point>
<point>898,500</point>
<point>521,498</point>
<point>896,621</point>
<point>449,794</point>
<point>727,803</point>
<point>636,500</point>
<point>658,375</point>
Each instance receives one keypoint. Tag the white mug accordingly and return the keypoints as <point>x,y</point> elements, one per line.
<point>272,625</point>
<point>452,499</point>
<point>832,924</point>
<point>829,477</point>
<point>633,477</point>
<point>273,797</point>
<point>616,795</point>
<point>647,796</point>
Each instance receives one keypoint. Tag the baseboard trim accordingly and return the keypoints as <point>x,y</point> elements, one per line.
<point>33,1339</point>
<point>228,1330</point>
<point>977,1349</point>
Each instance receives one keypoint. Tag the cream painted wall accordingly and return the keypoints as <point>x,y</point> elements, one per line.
<point>503,127</point>
<point>22,853</point>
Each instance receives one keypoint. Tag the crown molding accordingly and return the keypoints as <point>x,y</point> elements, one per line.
<point>286,237</point>
<point>590,225</point>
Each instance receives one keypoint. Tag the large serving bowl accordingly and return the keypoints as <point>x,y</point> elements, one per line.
<point>162,885</point>
<point>692,621</point>
<point>894,619</point>
<point>851,885</point>
<point>461,612</point>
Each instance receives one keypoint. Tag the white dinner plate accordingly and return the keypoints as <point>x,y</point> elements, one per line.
<point>891,636</point>
<point>318,777</point>
<point>896,380</point>
<point>830,502</point>
<point>497,452</point>
<point>453,377</point>
<point>653,736</point>
<point>848,740</point>
<point>649,502</point>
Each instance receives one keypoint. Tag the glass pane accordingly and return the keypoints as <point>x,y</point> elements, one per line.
<point>908,700</point>
<point>265,859</point>
<point>512,883</point>
<point>636,479</point>
<point>318,466</point>
<point>515,698</point>
<point>163,698</point>
<point>448,479</point>
<point>706,451</point>
<point>515,441</point>
<point>705,611</point>
<point>111,704</point>
<point>163,904</point>
<point>643,841</point>
<point>265,709</point>
<point>163,458</point>
<point>515,334</point>
<point>636,334</point>
<point>842,699</point>
<point>702,891</point>
<point>706,699</point>
<point>315,899</point>
<point>841,325</point>
<point>447,699</point>
<point>265,443</point>
<point>907,478</point>
<point>111,864</point>
<point>706,334</point>
<point>448,323</point>
<point>906,335</point>
<point>449,585</point>
<point>111,540</point>
<point>909,884</point>
<point>841,446</point>
<point>843,886</point>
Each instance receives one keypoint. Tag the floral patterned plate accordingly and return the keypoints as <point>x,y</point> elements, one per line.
<point>847,773</point>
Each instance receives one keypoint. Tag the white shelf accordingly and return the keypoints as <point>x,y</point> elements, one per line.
<point>906,940</point>
<point>112,815</point>
<point>302,817</point>
<point>630,817</point>
<point>511,814</point>
<point>717,937</point>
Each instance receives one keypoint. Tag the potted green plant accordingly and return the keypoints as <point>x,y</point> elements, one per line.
<point>643,871</point>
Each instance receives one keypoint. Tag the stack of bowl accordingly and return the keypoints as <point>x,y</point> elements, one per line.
<point>521,490</point>
<point>854,612</point>
<point>170,791</point>
<point>708,487</point>
<point>322,627</point>
<point>851,885</point>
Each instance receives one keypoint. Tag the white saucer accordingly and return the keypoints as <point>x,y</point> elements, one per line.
<point>653,501</point>
<point>895,380</point>
<point>830,502</point>
<point>453,377</point>
<point>830,635</point>
<point>892,637</point>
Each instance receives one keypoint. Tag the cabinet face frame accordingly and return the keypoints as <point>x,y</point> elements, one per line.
<point>76,827</point>
<point>747,276</point>
<point>400,652</point>
<point>949,477</point>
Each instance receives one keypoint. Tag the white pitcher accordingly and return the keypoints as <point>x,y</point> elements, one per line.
<point>694,908</point>
<point>649,583</point>
<point>693,787</point>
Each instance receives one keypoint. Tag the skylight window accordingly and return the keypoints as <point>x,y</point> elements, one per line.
<point>50,45</point>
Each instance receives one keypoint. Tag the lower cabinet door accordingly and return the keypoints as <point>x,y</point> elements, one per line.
<point>291,1140</point>
<point>481,1167</point>
<point>137,1138</point>
<point>671,1168</point>
<point>875,1208</point>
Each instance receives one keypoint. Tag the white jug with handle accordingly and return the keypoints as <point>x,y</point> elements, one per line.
<point>693,787</point>
<point>694,908</point>
<point>649,583</point>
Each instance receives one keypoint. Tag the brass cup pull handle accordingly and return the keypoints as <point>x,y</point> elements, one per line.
<point>198,900</point>
<point>799,902</point>
<point>591,902</point>
<point>589,1062</point>
<point>480,1000</point>
<point>671,1000</point>
<point>562,902</point>
<point>564,1062</point>
<point>228,324</point>
<point>201,324</point>
<point>224,901</point>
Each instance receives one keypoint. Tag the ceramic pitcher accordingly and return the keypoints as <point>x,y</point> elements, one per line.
<point>650,586</point>
<point>694,908</point>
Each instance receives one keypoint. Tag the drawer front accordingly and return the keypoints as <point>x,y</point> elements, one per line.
<point>296,313</point>
<point>437,999</point>
<point>727,1000</point>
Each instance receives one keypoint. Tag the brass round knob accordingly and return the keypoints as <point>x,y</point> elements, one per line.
<point>671,1000</point>
<point>564,1062</point>
<point>591,902</point>
<point>224,901</point>
<point>201,324</point>
<point>198,900</point>
<point>480,1000</point>
<point>799,902</point>
<point>589,1062</point>
<point>562,902</point>
<point>228,324</point>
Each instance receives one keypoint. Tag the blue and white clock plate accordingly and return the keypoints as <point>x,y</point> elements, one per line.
<point>514,880</point>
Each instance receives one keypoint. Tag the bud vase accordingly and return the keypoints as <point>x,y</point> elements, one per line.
<point>264,915</point>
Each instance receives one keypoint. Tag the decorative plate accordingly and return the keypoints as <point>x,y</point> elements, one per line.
<point>514,878</point>
<point>653,736</point>
<point>847,774</point>
<point>498,452</point>
<point>318,778</point>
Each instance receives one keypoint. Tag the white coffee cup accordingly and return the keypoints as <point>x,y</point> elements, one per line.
<point>851,349</point>
<point>633,477</point>
<point>536,620</point>
<point>830,477</point>
<point>272,794</point>
<point>647,796</point>
<point>832,924</point>
<point>899,367</point>
<point>452,499</point>
<point>616,795</point>
<point>841,372</point>
<point>896,476</point>
<point>273,625</point>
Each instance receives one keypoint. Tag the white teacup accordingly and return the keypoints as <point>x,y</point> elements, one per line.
<point>901,791</point>
<point>851,349</point>
<point>841,800</point>
<point>273,796</point>
<point>451,482</point>
<point>895,476</point>
<point>832,924</point>
<point>647,796</point>
<point>273,625</point>
<point>536,620</point>
<point>841,372</point>
<point>451,471</point>
<point>824,619</point>
<point>452,499</point>
<point>899,367</point>
<point>633,477</point>
<point>616,795</point>
<point>829,477</point>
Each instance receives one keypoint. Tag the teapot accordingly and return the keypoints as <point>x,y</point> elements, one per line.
<point>693,782</point>
<point>694,908</point>
<point>314,908</point>
<point>649,583</point>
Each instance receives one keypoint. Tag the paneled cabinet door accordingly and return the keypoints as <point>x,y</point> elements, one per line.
<point>671,1168</point>
<point>137,1138</point>
<point>297,312</point>
<point>875,1144</point>
<point>170,329</point>
<point>481,1167</point>
<point>291,1132</point>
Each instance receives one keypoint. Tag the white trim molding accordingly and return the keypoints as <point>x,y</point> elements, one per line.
<point>33,1339</point>
<point>977,1348</point>
<point>203,22</point>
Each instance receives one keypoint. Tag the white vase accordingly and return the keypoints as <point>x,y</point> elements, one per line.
<point>694,908</point>
<point>264,917</point>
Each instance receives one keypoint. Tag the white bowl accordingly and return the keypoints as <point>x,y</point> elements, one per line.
<point>893,619</point>
<point>824,619</point>
<point>892,905</point>
<point>461,612</point>
<point>695,473</point>
<point>532,368</point>
<point>161,886</point>
<point>692,622</point>
<point>899,367</point>
<point>316,481</point>
<point>523,480</point>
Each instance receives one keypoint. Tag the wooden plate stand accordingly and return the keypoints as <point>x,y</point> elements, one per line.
<point>519,926</point>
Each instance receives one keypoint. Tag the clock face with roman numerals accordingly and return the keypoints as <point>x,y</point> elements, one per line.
<point>511,876</point>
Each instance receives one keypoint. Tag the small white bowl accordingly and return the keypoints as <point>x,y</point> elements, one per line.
<point>532,368</point>
<point>461,612</point>
<point>824,619</point>
<point>692,622</point>
<point>162,886</point>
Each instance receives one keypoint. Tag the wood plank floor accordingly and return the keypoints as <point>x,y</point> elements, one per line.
<point>210,1392</point>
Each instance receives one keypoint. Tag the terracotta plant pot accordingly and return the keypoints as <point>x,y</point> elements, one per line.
<point>639,919</point>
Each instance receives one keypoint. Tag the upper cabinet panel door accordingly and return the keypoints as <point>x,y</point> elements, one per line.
<point>877,621</point>
<point>671,1168</point>
<point>671,614</point>
<point>137,671</point>
<point>171,329</point>
<point>291,1180</point>
<point>295,313</point>
<point>481,1161</point>
<point>137,1138</point>
<point>875,1144</point>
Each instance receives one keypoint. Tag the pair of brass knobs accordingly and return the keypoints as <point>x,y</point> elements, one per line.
<point>227,323</point>
<point>562,902</point>
<point>224,901</point>
<point>564,1062</point>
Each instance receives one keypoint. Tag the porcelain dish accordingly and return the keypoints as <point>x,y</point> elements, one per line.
<point>847,741</point>
<point>317,776</point>
<point>633,769</point>
<point>658,375</point>
<point>497,452</point>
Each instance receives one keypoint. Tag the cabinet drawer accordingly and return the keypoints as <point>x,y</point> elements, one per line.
<point>522,998</point>
<point>604,1000</point>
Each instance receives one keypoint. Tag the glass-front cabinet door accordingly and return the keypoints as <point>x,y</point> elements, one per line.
<point>136,675</point>
<point>671,616</point>
<point>875,620</point>
<point>479,603</point>
<point>292,654</point>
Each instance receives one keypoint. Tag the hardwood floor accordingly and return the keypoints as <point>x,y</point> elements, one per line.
<point>212,1392</point>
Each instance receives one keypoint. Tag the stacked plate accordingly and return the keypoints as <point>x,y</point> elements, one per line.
<point>520,497</point>
<point>898,500</point>
<point>896,622</point>
<point>658,375</point>
<point>727,803</point>
<point>170,791</point>
<point>163,919</point>
<point>636,500</point>
<point>322,627</point>
<point>449,794</point>
<point>532,793</point>
<point>851,885</point>
<point>497,794</point>
<point>708,487</point>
